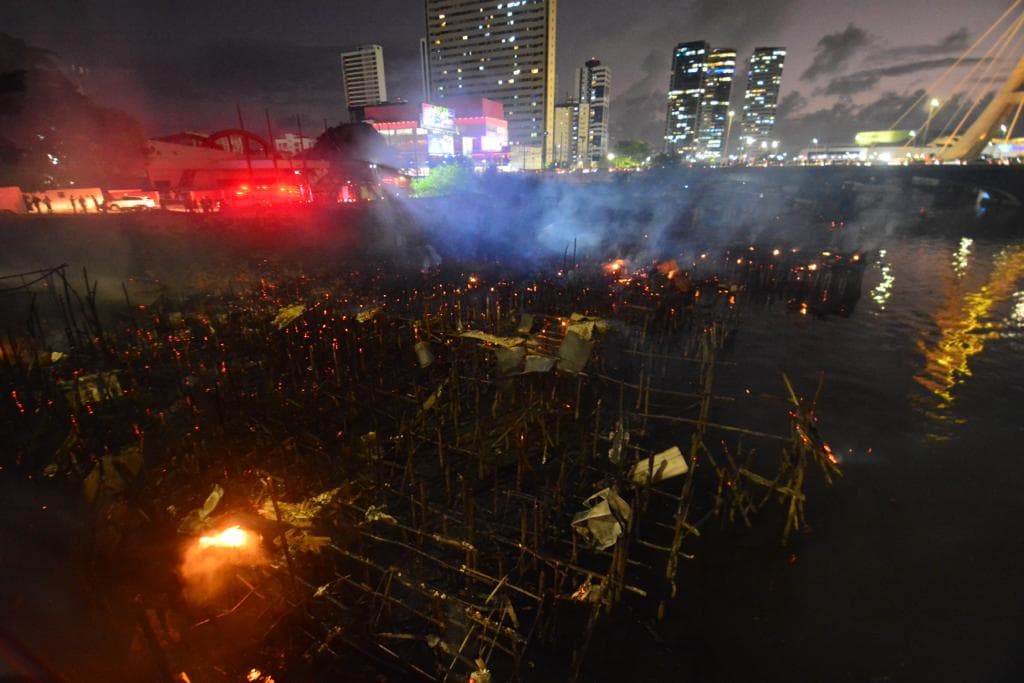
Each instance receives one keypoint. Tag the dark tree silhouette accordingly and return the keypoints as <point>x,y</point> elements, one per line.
<point>52,134</point>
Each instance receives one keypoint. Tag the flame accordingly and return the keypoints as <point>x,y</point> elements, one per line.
<point>669,268</point>
<point>232,537</point>
<point>614,267</point>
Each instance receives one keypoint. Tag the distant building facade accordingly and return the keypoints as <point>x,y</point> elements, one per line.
<point>720,68</point>
<point>761,99</point>
<point>561,149</point>
<point>421,134</point>
<point>362,72</point>
<point>685,96</point>
<point>503,52</point>
<point>291,144</point>
<point>593,86</point>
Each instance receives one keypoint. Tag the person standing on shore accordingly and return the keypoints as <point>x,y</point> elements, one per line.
<point>46,200</point>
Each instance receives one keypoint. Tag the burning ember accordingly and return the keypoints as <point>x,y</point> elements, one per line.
<point>211,562</point>
<point>615,267</point>
<point>232,537</point>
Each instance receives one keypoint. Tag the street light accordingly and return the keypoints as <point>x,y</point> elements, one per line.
<point>728,132</point>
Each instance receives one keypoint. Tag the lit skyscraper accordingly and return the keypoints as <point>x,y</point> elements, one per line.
<point>572,121</point>
<point>714,107</point>
<point>685,95</point>
<point>593,83</point>
<point>363,72</point>
<point>503,51</point>
<point>762,96</point>
<point>565,118</point>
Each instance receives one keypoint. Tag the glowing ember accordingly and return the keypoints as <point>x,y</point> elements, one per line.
<point>614,267</point>
<point>669,268</point>
<point>232,537</point>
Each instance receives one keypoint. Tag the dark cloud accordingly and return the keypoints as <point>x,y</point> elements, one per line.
<point>641,108</point>
<point>840,122</point>
<point>955,43</point>
<point>790,104</point>
<point>860,81</point>
<point>835,50</point>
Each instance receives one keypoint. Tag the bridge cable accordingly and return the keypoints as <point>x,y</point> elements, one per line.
<point>1013,123</point>
<point>985,60</point>
<point>979,84</point>
<point>955,64</point>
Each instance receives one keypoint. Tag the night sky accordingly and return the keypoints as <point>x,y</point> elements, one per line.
<point>182,65</point>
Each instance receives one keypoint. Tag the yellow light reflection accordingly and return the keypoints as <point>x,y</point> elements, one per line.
<point>963,329</point>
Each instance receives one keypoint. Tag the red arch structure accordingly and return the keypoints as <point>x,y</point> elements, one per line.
<point>246,142</point>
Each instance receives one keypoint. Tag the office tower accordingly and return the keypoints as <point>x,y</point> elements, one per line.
<point>504,51</point>
<point>564,132</point>
<point>762,97</point>
<point>714,106</point>
<point>593,83</point>
<point>685,95</point>
<point>363,73</point>
<point>424,70</point>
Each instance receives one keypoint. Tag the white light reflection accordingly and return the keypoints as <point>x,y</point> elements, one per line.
<point>960,258</point>
<point>883,290</point>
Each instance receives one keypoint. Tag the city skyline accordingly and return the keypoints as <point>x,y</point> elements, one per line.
<point>171,66</point>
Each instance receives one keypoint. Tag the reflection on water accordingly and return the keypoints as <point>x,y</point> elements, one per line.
<point>966,324</point>
<point>883,290</point>
<point>960,260</point>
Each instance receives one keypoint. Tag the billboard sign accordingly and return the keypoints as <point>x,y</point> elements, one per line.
<point>437,119</point>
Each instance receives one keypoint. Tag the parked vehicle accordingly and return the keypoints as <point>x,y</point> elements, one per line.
<point>131,203</point>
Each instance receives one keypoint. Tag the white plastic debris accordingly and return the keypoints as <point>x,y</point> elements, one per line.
<point>665,465</point>
<point>424,356</point>
<point>602,522</point>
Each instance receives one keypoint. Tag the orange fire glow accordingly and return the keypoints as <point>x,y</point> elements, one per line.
<point>669,268</point>
<point>232,537</point>
<point>614,267</point>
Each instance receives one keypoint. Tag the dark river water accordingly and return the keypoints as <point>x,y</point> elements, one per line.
<point>915,565</point>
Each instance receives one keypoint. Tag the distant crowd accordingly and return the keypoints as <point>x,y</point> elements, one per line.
<point>79,204</point>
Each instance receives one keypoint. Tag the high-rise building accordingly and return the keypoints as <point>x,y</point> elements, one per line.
<point>363,73</point>
<point>572,126</point>
<point>762,97</point>
<point>714,106</point>
<point>685,95</point>
<point>504,51</point>
<point>562,148</point>
<point>593,84</point>
<point>424,70</point>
